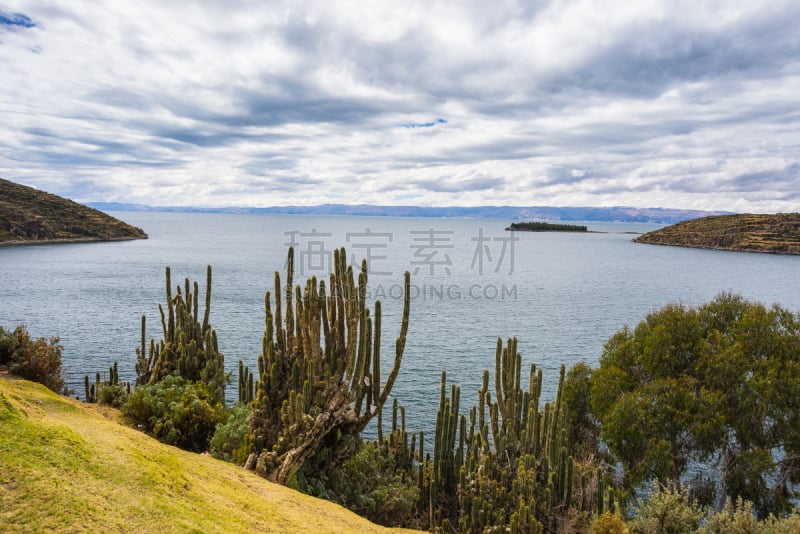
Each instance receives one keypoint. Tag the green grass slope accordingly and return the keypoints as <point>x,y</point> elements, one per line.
<point>70,467</point>
<point>778,234</point>
<point>29,215</point>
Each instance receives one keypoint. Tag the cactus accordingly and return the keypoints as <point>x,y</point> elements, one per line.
<point>319,378</point>
<point>246,385</point>
<point>188,347</point>
<point>88,391</point>
<point>509,469</point>
<point>109,391</point>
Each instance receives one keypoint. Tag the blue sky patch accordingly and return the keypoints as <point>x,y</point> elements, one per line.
<point>424,124</point>
<point>16,19</point>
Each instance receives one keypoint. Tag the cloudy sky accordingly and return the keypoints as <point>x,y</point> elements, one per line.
<point>681,104</point>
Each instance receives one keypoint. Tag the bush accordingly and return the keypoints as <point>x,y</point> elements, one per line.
<point>609,523</point>
<point>38,359</point>
<point>8,342</point>
<point>176,412</point>
<point>667,511</point>
<point>370,484</point>
<point>228,442</point>
<point>112,394</point>
<point>740,519</point>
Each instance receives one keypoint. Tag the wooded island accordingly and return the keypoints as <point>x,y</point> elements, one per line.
<point>545,227</point>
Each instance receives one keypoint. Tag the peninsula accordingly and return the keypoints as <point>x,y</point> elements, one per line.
<point>29,216</point>
<point>775,233</point>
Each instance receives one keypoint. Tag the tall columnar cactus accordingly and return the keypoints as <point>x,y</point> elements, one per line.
<point>246,384</point>
<point>320,377</point>
<point>511,463</point>
<point>88,389</point>
<point>189,344</point>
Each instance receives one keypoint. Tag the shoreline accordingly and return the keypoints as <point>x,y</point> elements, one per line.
<point>28,242</point>
<point>722,249</point>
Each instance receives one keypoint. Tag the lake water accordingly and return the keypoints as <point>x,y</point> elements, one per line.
<point>562,294</point>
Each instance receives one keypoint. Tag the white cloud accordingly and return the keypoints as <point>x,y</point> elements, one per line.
<point>652,103</point>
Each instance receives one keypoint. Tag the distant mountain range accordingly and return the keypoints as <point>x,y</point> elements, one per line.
<point>509,213</point>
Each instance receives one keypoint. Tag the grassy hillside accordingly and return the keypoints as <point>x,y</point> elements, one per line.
<point>30,215</point>
<point>70,467</point>
<point>778,233</point>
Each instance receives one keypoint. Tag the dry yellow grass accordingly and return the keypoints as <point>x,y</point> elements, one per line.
<point>70,467</point>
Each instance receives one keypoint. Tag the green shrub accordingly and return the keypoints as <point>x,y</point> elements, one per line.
<point>370,484</point>
<point>741,519</point>
<point>666,511</point>
<point>38,360</point>
<point>583,428</point>
<point>228,442</point>
<point>176,412</point>
<point>8,342</point>
<point>609,523</point>
<point>112,394</point>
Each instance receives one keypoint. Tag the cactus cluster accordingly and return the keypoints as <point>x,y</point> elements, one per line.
<point>105,390</point>
<point>400,445</point>
<point>505,467</point>
<point>189,344</point>
<point>319,372</point>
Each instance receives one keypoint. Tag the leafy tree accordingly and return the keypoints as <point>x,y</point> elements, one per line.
<point>717,384</point>
<point>583,428</point>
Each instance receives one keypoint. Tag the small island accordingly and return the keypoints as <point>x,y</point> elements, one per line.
<point>545,227</point>
<point>30,216</point>
<point>776,233</point>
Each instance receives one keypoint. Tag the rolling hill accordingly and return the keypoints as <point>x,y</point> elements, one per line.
<point>66,466</point>
<point>777,234</point>
<point>28,215</point>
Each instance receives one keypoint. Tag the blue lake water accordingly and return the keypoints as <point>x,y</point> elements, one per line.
<point>562,294</point>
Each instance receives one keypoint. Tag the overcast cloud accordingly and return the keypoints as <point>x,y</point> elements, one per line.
<point>677,104</point>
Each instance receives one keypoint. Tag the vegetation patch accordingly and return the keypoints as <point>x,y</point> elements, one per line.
<point>28,215</point>
<point>777,234</point>
<point>546,227</point>
<point>35,359</point>
<point>712,387</point>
